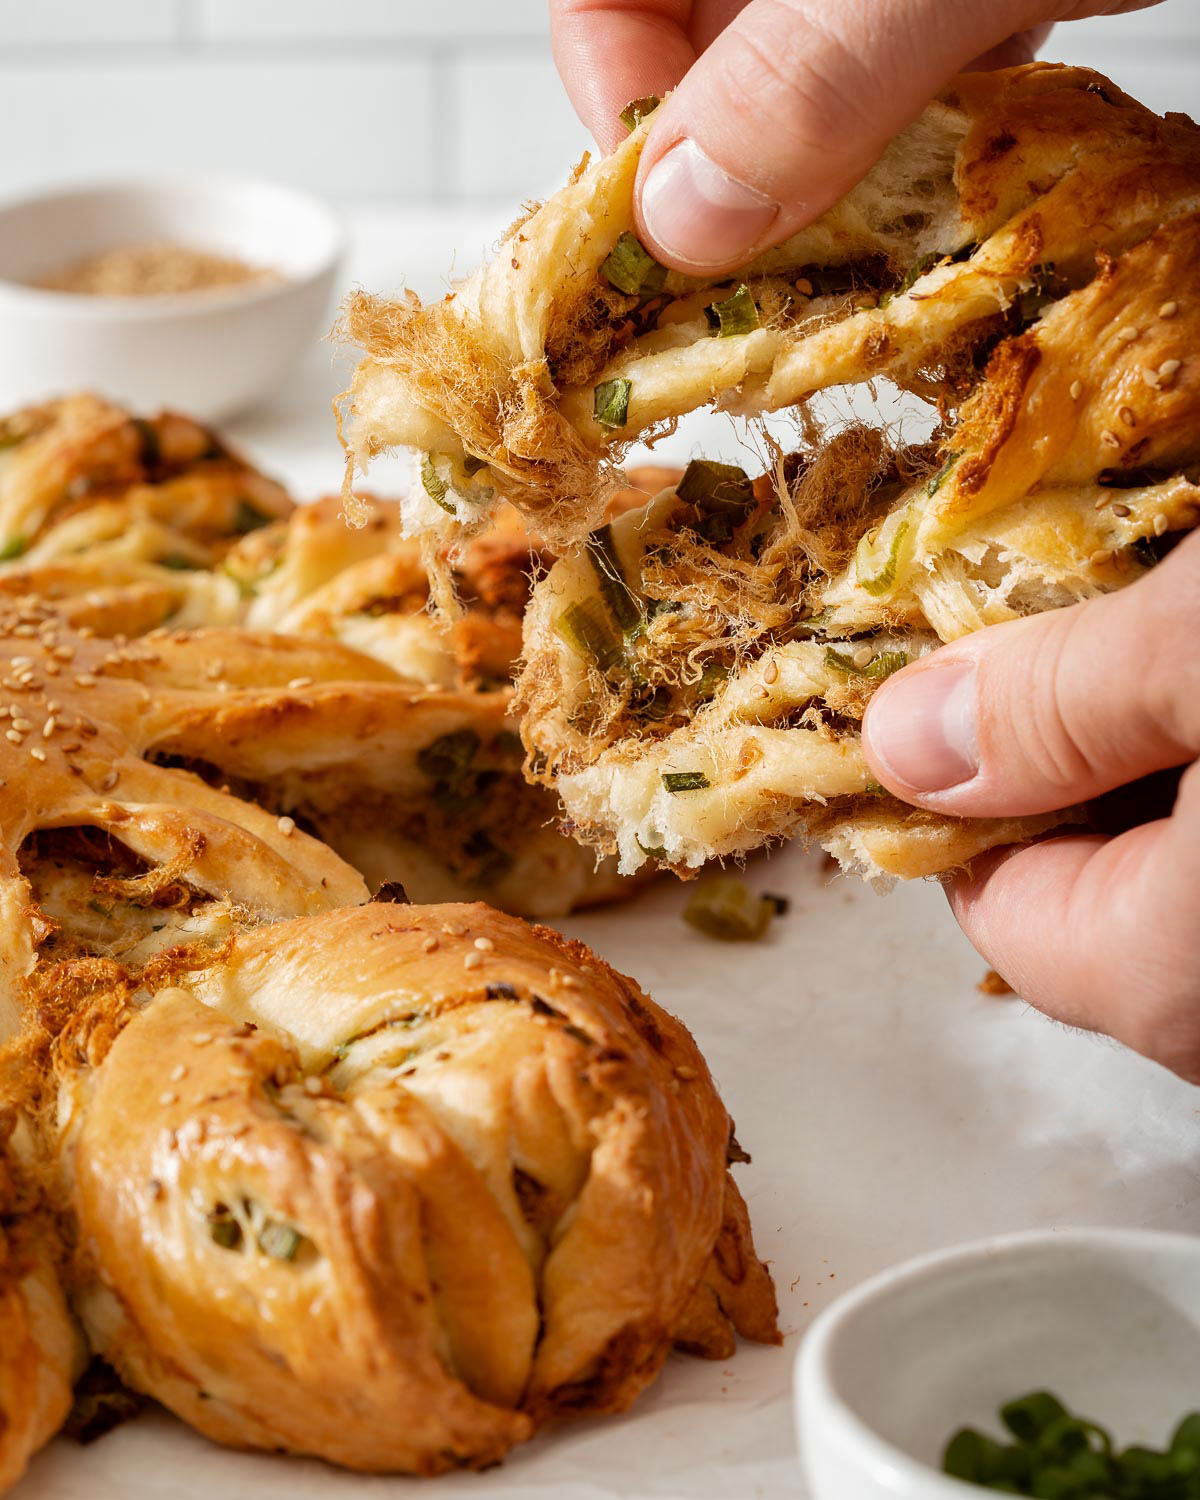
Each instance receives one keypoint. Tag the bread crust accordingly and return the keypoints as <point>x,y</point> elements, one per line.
<point>320,1160</point>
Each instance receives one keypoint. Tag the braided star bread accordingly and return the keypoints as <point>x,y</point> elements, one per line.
<point>386,1184</point>
<point>697,673</point>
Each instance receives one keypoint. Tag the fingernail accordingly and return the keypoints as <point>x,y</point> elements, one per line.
<point>922,727</point>
<point>698,212</point>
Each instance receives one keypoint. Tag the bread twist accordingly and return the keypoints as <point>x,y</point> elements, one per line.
<point>320,1162</point>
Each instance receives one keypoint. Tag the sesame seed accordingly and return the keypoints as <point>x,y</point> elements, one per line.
<point>26,632</point>
<point>24,725</point>
<point>13,737</point>
<point>312,1085</point>
<point>803,286</point>
<point>484,944</point>
<point>452,929</point>
<point>22,661</point>
<point>1151,376</point>
<point>771,671</point>
<point>1110,439</point>
<point>687,1074</point>
<point>37,752</point>
<point>64,653</point>
<point>1127,334</point>
<point>1076,389</point>
<point>177,1072</point>
<point>168,1098</point>
<point>863,656</point>
<point>52,707</point>
<point>473,961</point>
<point>1121,510</point>
<point>84,680</point>
<point>53,669</point>
<point>1169,367</point>
<point>71,747</point>
<point>569,982</point>
<point>431,944</point>
<point>110,781</point>
<point>1160,524</point>
<point>49,726</point>
<point>287,826</point>
<point>202,1039</point>
<point>300,682</point>
<point>1168,309</point>
<point>1128,416</point>
<point>1101,501</point>
<point>1100,558</point>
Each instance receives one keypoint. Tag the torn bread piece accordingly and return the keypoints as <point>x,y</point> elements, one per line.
<point>697,673</point>
<point>529,381</point>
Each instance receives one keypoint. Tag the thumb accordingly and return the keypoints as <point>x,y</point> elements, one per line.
<point>1041,713</point>
<point>788,108</point>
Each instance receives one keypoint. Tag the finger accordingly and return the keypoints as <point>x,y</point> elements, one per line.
<point>1041,713</point>
<point>1100,933</point>
<point>787,109</point>
<point>609,52</point>
<point>1012,52</point>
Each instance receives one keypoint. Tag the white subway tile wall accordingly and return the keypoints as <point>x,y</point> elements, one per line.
<point>447,102</point>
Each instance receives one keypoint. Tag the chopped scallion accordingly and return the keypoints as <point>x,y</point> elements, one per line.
<point>224,1228</point>
<point>632,269</point>
<point>14,547</point>
<point>637,109</point>
<point>685,781</point>
<point>602,553</point>
<point>247,517</point>
<point>435,486</point>
<point>610,402</point>
<point>585,627</point>
<point>883,580</point>
<point>715,487</point>
<point>939,478</point>
<point>880,666</point>
<point>724,907</point>
<point>279,1240</point>
<point>737,314</point>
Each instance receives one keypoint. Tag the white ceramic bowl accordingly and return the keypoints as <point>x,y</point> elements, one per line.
<point>209,353</point>
<point>1108,1320</point>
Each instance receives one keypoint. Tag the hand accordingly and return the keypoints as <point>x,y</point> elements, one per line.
<point>1100,932</point>
<point>779,106</point>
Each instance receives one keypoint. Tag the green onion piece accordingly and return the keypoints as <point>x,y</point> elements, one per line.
<point>737,314</point>
<point>10,436</point>
<point>585,627</point>
<point>685,781</point>
<point>472,465</point>
<point>874,789</point>
<point>938,479</point>
<point>279,1240</point>
<point>1186,1439</point>
<point>632,269</point>
<point>224,1228</point>
<point>715,487</point>
<point>14,547</point>
<point>725,908</point>
<point>449,756</point>
<point>247,517</point>
<point>913,275</point>
<point>713,676</point>
<point>179,563</point>
<point>602,554</point>
<point>637,109</point>
<point>879,667</point>
<point>883,580</point>
<point>651,851</point>
<point>610,402</point>
<point>435,486</point>
<point>1029,1416</point>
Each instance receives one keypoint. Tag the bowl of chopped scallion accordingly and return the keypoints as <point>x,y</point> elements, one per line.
<point>1058,1364</point>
